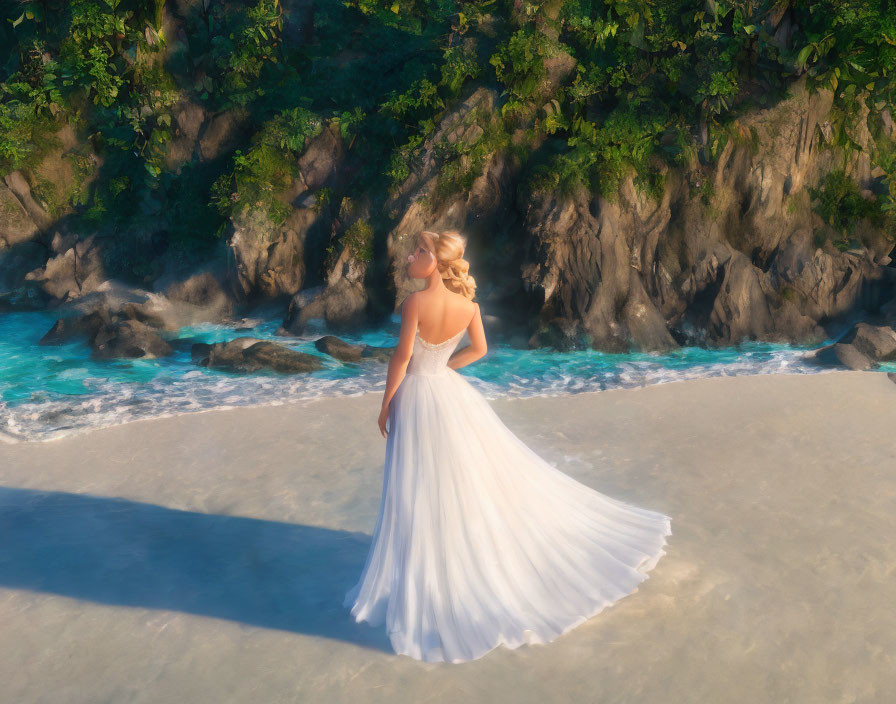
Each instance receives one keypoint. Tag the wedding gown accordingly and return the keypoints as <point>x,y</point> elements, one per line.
<point>479,541</point>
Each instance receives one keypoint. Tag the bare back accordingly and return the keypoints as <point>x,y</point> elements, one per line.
<point>443,314</point>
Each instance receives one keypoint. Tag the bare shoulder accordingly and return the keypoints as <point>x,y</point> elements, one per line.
<point>464,301</point>
<point>411,300</point>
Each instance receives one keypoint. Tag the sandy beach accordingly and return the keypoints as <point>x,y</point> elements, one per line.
<point>204,557</point>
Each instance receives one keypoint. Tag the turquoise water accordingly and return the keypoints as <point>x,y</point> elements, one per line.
<point>51,391</point>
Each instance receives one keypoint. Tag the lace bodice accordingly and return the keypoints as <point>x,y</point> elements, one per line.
<point>429,359</point>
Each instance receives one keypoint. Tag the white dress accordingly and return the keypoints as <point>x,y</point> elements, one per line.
<point>480,542</point>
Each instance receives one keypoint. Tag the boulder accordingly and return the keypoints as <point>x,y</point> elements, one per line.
<point>878,342</point>
<point>118,320</point>
<point>128,338</point>
<point>269,259</point>
<point>118,300</point>
<point>279,358</point>
<point>341,302</point>
<point>248,354</point>
<point>78,270</point>
<point>347,352</point>
<point>198,294</point>
<point>840,354</point>
<point>67,329</point>
<point>378,354</point>
<point>339,348</point>
<point>201,352</point>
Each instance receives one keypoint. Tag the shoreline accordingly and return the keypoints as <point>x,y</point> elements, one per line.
<point>10,438</point>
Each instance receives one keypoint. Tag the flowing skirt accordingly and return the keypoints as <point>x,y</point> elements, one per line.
<point>480,542</point>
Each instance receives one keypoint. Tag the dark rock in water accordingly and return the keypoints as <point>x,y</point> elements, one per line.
<point>200,353</point>
<point>128,338</point>
<point>223,352</point>
<point>119,321</point>
<point>892,376</point>
<point>110,331</point>
<point>249,354</point>
<point>347,352</point>
<point>339,348</point>
<point>379,354</point>
<point>123,302</point>
<point>841,354</point>
<point>270,355</point>
<point>876,341</point>
<point>67,329</point>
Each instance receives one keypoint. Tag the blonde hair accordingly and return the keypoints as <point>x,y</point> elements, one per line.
<point>448,248</point>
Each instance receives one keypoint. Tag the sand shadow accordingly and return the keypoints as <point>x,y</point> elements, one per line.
<point>127,553</point>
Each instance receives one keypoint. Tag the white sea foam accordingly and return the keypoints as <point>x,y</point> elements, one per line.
<point>47,417</point>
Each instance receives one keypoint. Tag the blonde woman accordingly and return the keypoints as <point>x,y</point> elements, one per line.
<point>479,541</point>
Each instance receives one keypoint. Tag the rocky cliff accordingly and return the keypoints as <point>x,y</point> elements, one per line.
<point>730,248</point>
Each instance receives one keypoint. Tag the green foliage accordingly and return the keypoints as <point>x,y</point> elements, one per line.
<point>841,205</point>
<point>646,75</point>
<point>401,161</point>
<point>460,64</point>
<point>240,55</point>
<point>358,238</point>
<point>626,139</point>
<point>519,62</point>
<point>422,98</point>
<point>87,54</point>
<point>323,197</point>
<point>293,128</point>
<point>27,103</point>
<point>883,156</point>
<point>462,160</point>
<point>349,123</point>
<point>847,46</point>
<point>602,155</point>
<point>268,167</point>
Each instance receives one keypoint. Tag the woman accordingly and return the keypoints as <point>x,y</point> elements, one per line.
<point>479,541</point>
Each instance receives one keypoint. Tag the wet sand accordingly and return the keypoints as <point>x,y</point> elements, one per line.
<point>204,558</point>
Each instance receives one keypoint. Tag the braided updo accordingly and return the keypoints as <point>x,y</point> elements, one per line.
<point>448,248</point>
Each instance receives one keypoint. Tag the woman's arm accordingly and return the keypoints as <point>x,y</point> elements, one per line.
<point>477,347</point>
<point>398,363</point>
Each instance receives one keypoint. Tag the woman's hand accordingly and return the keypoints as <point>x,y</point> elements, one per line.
<point>381,421</point>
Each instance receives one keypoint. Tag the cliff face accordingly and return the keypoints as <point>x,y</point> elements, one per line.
<point>751,261</point>
<point>758,264</point>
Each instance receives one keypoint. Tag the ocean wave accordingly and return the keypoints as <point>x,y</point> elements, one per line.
<point>47,415</point>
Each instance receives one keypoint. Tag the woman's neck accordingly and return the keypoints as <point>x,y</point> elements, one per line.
<point>434,281</point>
